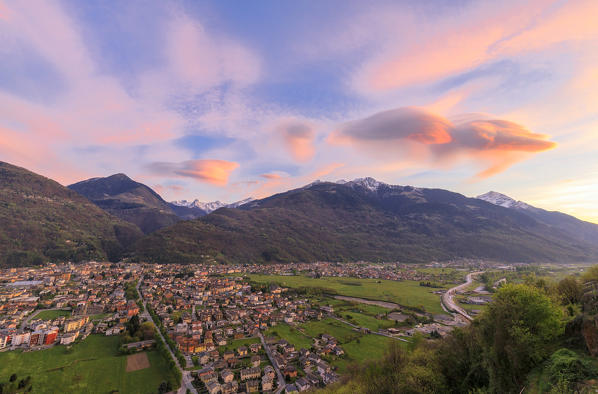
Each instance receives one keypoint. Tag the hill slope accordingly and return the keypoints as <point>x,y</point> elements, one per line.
<point>132,201</point>
<point>43,220</point>
<point>568,224</point>
<point>364,220</point>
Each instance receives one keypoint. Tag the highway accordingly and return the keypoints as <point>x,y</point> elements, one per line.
<point>449,303</point>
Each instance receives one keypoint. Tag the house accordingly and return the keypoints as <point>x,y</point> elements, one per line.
<point>227,376</point>
<point>228,355</point>
<point>302,384</point>
<point>269,371</point>
<point>255,347</point>
<point>242,350</point>
<point>267,383</point>
<point>252,386</point>
<point>256,361</point>
<point>213,387</point>
<point>291,388</point>
<point>290,371</point>
<point>250,373</point>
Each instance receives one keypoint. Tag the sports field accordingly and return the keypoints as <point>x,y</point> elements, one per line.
<point>406,293</point>
<point>92,366</point>
<point>51,315</point>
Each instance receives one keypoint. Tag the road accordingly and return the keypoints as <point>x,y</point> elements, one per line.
<point>186,375</point>
<point>281,381</point>
<point>447,298</point>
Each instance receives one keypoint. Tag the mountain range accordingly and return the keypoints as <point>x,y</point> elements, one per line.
<point>368,220</point>
<point>362,219</point>
<point>208,207</point>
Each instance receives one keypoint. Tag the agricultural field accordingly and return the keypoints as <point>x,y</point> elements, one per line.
<point>358,347</point>
<point>53,314</point>
<point>92,366</point>
<point>405,293</point>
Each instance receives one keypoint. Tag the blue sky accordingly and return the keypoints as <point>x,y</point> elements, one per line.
<point>226,99</point>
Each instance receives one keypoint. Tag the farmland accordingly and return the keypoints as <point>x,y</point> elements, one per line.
<point>92,366</point>
<point>406,293</point>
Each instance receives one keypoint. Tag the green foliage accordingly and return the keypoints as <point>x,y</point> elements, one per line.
<point>567,366</point>
<point>569,290</point>
<point>515,331</point>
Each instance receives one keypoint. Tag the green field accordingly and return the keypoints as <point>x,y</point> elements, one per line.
<point>406,293</point>
<point>92,366</point>
<point>291,334</point>
<point>51,315</point>
<point>358,347</point>
<point>236,343</point>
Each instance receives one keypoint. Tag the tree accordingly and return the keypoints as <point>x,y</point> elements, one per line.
<point>569,290</point>
<point>133,325</point>
<point>13,377</point>
<point>515,331</point>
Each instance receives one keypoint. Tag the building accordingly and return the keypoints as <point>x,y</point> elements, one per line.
<point>50,336</point>
<point>250,373</point>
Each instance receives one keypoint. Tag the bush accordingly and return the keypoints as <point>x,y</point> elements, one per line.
<point>567,366</point>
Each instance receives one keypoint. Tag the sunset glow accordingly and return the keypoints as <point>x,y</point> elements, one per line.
<point>227,100</point>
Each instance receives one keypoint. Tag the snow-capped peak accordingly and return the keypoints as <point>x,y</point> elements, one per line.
<point>211,206</point>
<point>369,183</point>
<point>502,200</point>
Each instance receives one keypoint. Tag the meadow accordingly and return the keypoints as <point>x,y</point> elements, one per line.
<point>51,315</point>
<point>405,293</point>
<point>358,347</point>
<point>92,366</point>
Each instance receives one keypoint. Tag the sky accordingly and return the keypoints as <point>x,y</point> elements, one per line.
<point>223,100</point>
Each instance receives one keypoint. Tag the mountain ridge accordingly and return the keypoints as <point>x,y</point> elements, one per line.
<point>45,221</point>
<point>365,220</point>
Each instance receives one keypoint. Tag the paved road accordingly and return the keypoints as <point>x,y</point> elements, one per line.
<point>186,380</point>
<point>449,303</point>
<point>281,381</point>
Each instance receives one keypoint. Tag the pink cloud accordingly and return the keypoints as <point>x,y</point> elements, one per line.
<point>203,61</point>
<point>483,32</point>
<point>298,137</point>
<point>423,136</point>
<point>215,172</point>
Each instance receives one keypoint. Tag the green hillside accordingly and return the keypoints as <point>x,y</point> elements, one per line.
<point>44,221</point>
<point>336,222</point>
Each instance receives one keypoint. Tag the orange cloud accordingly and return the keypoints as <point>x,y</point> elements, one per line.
<point>423,136</point>
<point>215,172</point>
<point>298,136</point>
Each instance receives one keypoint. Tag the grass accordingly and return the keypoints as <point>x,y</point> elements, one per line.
<point>291,334</point>
<point>92,366</point>
<point>236,343</point>
<point>51,315</point>
<point>406,293</point>
<point>358,347</point>
<point>364,320</point>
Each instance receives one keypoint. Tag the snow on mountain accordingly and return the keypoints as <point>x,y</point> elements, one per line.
<point>211,206</point>
<point>503,200</point>
<point>369,183</point>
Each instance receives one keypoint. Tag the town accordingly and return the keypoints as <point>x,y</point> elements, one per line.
<point>227,328</point>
